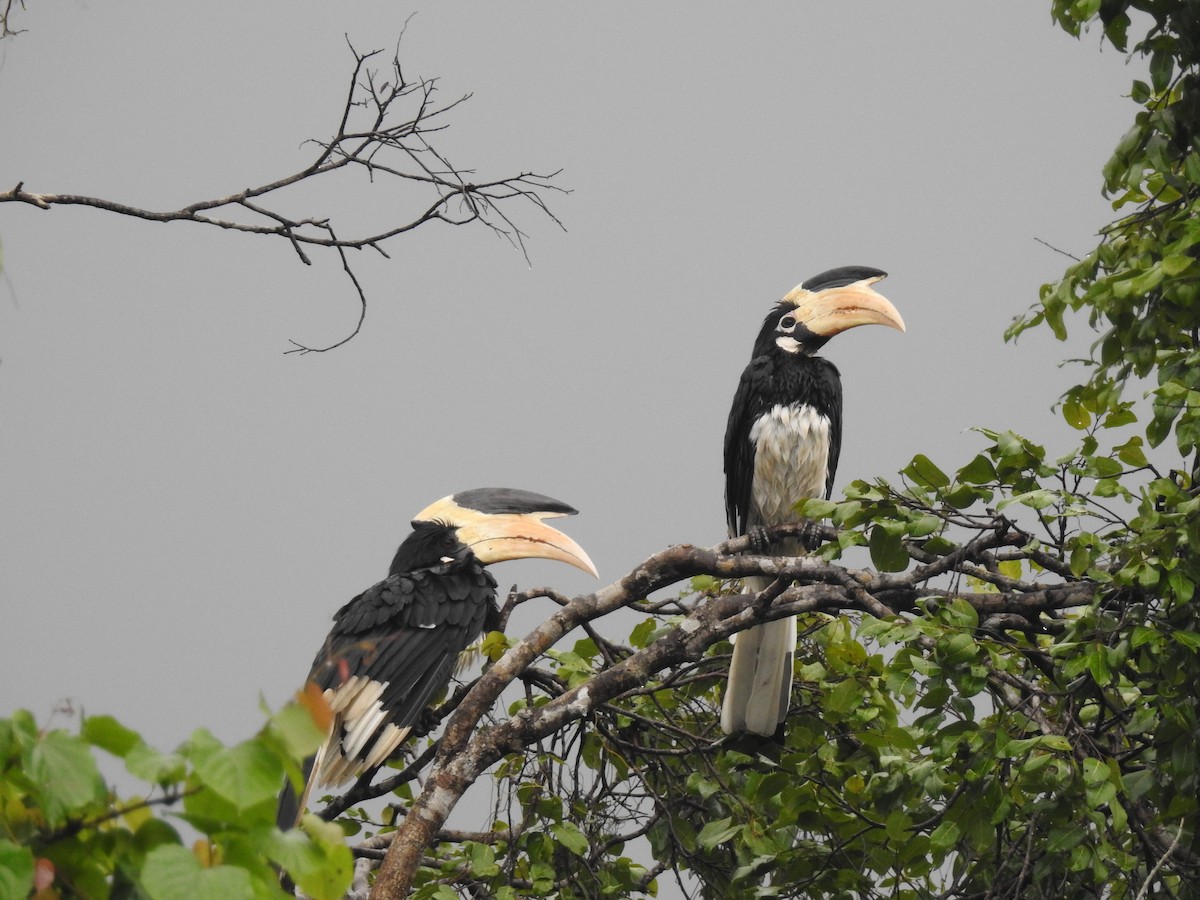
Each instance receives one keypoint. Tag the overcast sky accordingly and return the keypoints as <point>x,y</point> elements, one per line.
<point>183,507</point>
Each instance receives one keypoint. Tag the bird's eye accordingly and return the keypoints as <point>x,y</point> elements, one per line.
<point>787,323</point>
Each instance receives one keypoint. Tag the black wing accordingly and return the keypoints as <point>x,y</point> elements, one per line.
<point>392,648</point>
<point>405,634</point>
<point>749,402</point>
<point>833,385</point>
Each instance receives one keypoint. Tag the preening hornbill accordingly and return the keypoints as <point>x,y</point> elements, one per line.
<point>781,446</point>
<point>395,646</point>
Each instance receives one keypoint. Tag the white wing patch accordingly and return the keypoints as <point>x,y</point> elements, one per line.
<point>791,458</point>
<point>361,738</point>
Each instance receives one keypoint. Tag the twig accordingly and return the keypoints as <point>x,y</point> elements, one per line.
<point>1056,250</point>
<point>393,144</point>
<point>1162,861</point>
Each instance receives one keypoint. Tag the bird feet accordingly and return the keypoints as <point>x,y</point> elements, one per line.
<point>428,720</point>
<point>810,535</point>
<point>760,540</point>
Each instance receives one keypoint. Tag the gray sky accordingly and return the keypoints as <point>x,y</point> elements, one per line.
<point>183,507</point>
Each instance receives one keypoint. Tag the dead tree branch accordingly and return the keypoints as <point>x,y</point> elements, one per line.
<point>6,8</point>
<point>384,132</point>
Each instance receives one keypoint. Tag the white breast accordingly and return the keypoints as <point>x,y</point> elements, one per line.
<point>791,454</point>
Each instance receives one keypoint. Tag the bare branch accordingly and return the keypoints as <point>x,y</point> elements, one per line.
<point>1050,246</point>
<point>1162,861</point>
<point>6,29</point>
<point>383,130</point>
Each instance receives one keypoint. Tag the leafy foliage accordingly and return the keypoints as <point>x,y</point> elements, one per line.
<point>64,832</point>
<point>1141,285</point>
<point>1004,705</point>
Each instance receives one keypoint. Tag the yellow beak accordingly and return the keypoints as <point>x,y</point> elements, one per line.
<point>834,310</point>
<point>498,524</point>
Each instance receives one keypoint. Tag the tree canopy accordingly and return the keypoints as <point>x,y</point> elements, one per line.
<point>1003,705</point>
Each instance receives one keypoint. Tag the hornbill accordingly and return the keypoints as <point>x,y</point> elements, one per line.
<point>781,446</point>
<point>396,645</point>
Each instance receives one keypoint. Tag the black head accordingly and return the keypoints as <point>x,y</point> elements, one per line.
<point>783,332</point>
<point>430,544</point>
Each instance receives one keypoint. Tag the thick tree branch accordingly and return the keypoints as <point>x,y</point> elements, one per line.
<point>465,752</point>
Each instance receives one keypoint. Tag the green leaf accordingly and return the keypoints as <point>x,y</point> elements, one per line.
<point>944,836</point>
<point>939,545</point>
<point>887,550</point>
<point>67,775</point>
<point>1036,499</point>
<point>315,856</point>
<point>1081,558</point>
<point>1119,417</point>
<point>1147,280</point>
<point>1189,639</point>
<point>445,892</point>
<point>1095,771</point>
<point>924,472</point>
<point>151,765</point>
<point>897,825</point>
<point>1064,837</point>
<point>923,525</point>
<point>1143,634</point>
<point>1055,742</point>
<point>494,645</point>
<point>570,837</point>
<point>246,775</point>
<point>1105,466</point>
<point>1097,661</point>
<point>717,832</point>
<point>960,614</point>
<point>1131,452</point>
<point>958,649</point>
<point>848,514</point>
<point>816,508</point>
<point>296,729</point>
<point>643,633</point>
<point>1075,414</point>
<point>173,873</point>
<point>16,870</point>
<point>845,698</point>
<point>483,859</point>
<point>1162,64</point>
<point>978,471</point>
<point>1175,265</point>
<point>108,734</point>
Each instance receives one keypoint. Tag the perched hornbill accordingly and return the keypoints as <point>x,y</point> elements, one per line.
<point>396,645</point>
<point>781,446</point>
